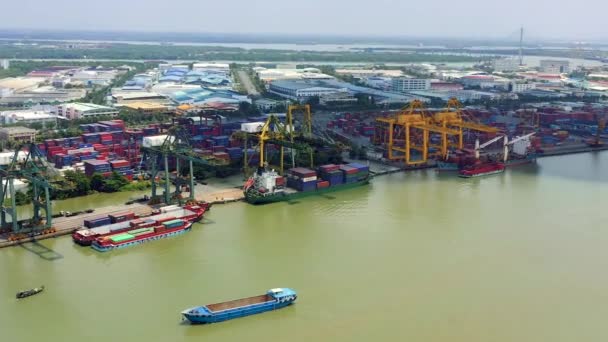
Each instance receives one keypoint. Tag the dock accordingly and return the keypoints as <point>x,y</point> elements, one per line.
<point>67,225</point>
<point>222,196</point>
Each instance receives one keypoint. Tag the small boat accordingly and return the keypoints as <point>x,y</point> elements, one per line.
<point>31,292</point>
<point>211,313</point>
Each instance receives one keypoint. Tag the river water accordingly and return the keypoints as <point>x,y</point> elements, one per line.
<point>418,256</point>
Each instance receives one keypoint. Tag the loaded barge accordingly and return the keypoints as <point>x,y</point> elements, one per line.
<point>212,313</point>
<point>118,223</point>
<point>267,186</point>
<point>148,231</point>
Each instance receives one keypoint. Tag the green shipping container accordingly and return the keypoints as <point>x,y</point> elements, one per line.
<point>121,237</point>
<point>173,223</point>
<point>137,231</point>
<point>146,231</point>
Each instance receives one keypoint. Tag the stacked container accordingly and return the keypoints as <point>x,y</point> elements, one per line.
<point>96,166</point>
<point>121,217</point>
<point>221,156</point>
<point>332,174</point>
<point>302,179</point>
<point>235,153</point>
<point>97,222</point>
<point>354,172</point>
<point>222,140</point>
<point>62,160</point>
<point>173,223</point>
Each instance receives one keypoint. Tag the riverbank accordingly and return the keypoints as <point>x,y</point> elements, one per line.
<point>445,251</point>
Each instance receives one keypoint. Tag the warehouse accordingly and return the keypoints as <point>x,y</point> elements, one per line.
<point>27,116</point>
<point>84,110</point>
<point>302,90</point>
<point>18,134</point>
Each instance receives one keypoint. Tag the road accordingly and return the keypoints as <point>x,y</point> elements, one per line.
<point>246,82</point>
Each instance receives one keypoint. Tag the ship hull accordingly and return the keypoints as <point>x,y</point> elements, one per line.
<point>481,174</point>
<point>238,312</point>
<point>445,166</point>
<point>135,242</point>
<point>88,240</point>
<point>271,198</point>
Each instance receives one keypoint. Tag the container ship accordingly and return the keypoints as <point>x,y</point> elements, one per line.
<point>514,161</point>
<point>483,169</point>
<point>117,223</point>
<point>212,313</point>
<point>267,186</point>
<point>149,230</point>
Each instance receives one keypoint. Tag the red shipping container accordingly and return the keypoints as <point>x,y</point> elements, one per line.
<point>322,184</point>
<point>221,155</point>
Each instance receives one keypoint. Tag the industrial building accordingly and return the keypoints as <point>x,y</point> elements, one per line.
<point>120,97</point>
<point>446,86</point>
<point>219,67</point>
<point>518,87</point>
<point>337,99</point>
<point>505,64</point>
<point>363,73</point>
<point>384,83</point>
<point>481,81</point>
<point>461,95</point>
<point>75,110</point>
<point>302,90</point>
<point>18,134</point>
<point>27,116</point>
<point>42,95</point>
<point>94,76</point>
<point>201,96</point>
<point>269,75</point>
<point>267,105</point>
<point>11,85</point>
<point>146,107</point>
<point>551,66</point>
<point>406,84</point>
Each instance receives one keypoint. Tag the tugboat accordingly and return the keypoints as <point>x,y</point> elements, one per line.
<point>30,292</point>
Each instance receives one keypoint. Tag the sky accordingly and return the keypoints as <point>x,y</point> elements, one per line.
<point>557,19</point>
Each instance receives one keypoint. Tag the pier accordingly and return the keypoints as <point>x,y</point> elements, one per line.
<point>67,225</point>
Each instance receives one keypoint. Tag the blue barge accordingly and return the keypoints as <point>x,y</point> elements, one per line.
<point>212,313</point>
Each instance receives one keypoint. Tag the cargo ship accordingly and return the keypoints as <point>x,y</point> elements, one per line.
<point>118,223</point>
<point>149,231</point>
<point>267,186</point>
<point>212,313</point>
<point>483,169</point>
<point>515,161</point>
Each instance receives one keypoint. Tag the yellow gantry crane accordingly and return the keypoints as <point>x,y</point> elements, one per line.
<point>306,121</point>
<point>414,121</point>
<point>409,123</point>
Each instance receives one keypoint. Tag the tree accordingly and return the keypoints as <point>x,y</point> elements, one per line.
<point>36,125</point>
<point>97,182</point>
<point>80,182</point>
<point>114,182</point>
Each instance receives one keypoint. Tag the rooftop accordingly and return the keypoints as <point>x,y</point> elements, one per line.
<point>145,105</point>
<point>20,82</point>
<point>17,129</point>
<point>86,106</point>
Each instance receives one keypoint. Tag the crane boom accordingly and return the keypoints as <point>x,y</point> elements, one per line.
<point>490,142</point>
<point>520,138</point>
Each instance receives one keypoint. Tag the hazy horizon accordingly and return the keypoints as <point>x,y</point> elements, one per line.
<point>381,18</point>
